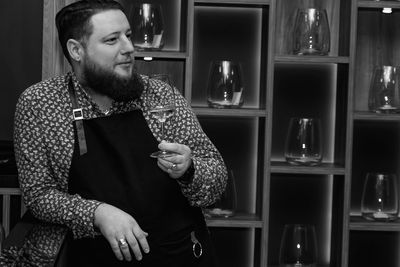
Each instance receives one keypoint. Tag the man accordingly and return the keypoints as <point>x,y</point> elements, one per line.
<point>83,141</point>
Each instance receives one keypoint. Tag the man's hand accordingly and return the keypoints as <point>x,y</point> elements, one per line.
<point>177,164</point>
<point>122,231</point>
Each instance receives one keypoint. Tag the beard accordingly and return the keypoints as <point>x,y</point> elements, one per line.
<point>112,85</point>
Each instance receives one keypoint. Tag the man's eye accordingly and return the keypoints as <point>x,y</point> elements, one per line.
<point>111,40</point>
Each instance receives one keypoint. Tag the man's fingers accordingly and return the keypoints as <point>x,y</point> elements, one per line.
<point>133,244</point>
<point>141,238</point>
<point>117,251</point>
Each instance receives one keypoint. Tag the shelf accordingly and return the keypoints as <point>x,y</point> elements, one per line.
<point>358,223</point>
<point>311,59</point>
<point>161,54</point>
<point>370,116</point>
<point>324,168</point>
<point>238,2</point>
<point>237,221</point>
<point>378,4</point>
<point>229,112</point>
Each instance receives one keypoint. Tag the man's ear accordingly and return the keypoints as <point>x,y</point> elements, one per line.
<point>75,49</point>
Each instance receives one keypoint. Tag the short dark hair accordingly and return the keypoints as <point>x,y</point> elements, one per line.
<point>73,21</point>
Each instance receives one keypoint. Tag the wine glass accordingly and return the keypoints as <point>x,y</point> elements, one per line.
<point>379,201</point>
<point>225,88</point>
<point>384,91</point>
<point>226,206</point>
<point>298,246</point>
<point>163,109</point>
<point>303,142</point>
<point>311,35</point>
<point>148,27</point>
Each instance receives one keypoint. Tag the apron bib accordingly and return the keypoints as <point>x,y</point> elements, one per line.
<point>118,170</point>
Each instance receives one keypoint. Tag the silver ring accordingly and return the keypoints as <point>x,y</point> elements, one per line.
<point>122,243</point>
<point>174,166</point>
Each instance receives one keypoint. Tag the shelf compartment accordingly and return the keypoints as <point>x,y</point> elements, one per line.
<point>376,148</point>
<point>311,90</point>
<point>240,112</point>
<point>338,17</point>
<point>377,44</point>
<point>307,199</point>
<point>324,168</point>
<point>236,246</point>
<point>246,168</point>
<point>240,220</point>
<point>358,223</point>
<point>236,33</point>
<point>374,249</point>
<point>175,14</point>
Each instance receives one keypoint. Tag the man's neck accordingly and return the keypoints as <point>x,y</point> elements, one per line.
<point>104,102</point>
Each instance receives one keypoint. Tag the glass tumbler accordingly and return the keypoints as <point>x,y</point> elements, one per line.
<point>384,90</point>
<point>311,34</point>
<point>298,246</point>
<point>225,88</point>
<point>379,201</point>
<point>147,27</point>
<point>226,205</point>
<point>303,142</point>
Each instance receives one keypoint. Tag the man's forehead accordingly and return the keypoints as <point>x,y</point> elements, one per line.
<point>109,21</point>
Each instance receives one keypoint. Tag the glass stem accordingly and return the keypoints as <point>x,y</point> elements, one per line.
<point>162,131</point>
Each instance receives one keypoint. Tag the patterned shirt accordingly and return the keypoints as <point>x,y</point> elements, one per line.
<point>44,144</point>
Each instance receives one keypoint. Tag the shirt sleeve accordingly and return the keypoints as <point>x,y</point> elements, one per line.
<point>43,192</point>
<point>210,174</point>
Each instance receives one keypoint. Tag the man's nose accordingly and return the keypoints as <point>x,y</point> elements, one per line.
<point>127,46</point>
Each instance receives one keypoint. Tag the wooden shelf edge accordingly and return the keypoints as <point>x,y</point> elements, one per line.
<point>378,4</point>
<point>311,59</point>
<point>10,191</point>
<point>324,168</point>
<point>237,221</point>
<point>237,112</point>
<point>237,2</point>
<point>358,223</point>
<point>370,116</point>
<point>161,54</point>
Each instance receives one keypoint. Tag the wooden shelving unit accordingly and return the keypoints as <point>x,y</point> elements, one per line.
<point>279,85</point>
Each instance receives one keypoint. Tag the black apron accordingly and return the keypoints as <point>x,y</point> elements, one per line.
<point>118,170</point>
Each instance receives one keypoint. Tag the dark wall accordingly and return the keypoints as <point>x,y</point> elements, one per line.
<point>20,55</point>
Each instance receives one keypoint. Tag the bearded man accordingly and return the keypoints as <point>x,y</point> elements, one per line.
<point>82,144</point>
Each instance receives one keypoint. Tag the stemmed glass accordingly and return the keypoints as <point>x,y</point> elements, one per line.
<point>163,109</point>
